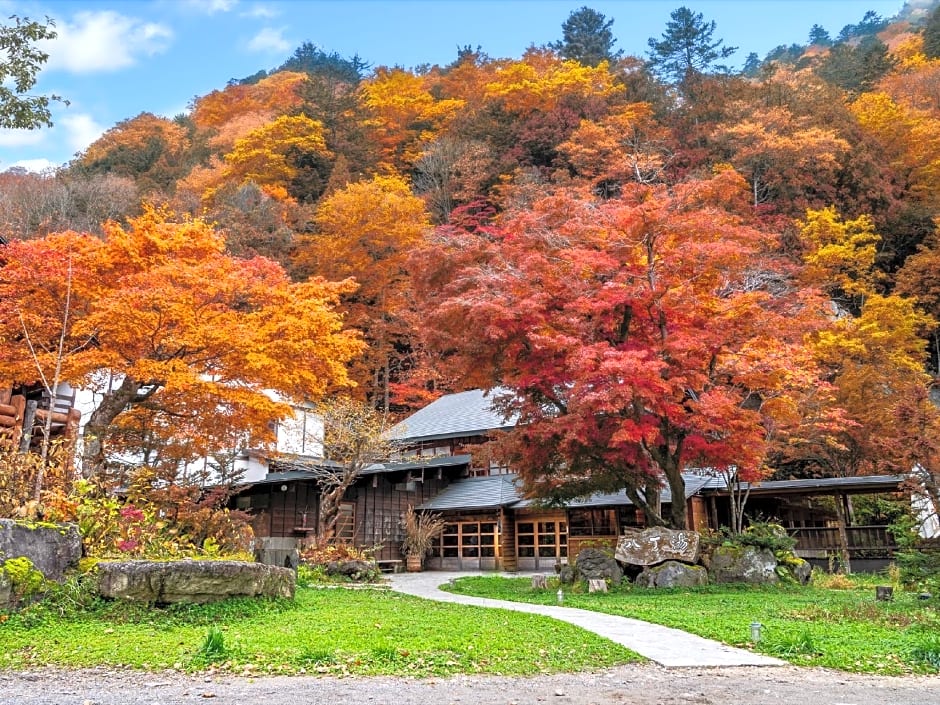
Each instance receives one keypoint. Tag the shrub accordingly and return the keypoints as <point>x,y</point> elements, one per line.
<point>323,561</point>
<point>761,534</point>
<point>155,520</point>
<point>918,559</point>
<point>19,473</point>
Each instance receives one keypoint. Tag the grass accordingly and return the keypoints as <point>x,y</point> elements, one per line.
<point>327,631</point>
<point>845,629</point>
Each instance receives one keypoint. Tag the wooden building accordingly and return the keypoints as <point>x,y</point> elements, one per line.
<point>489,524</point>
<point>25,411</point>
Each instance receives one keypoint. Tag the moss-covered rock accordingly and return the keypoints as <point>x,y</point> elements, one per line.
<point>731,563</point>
<point>52,548</point>
<point>793,569</point>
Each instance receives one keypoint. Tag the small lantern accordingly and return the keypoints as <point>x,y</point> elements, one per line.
<point>756,631</point>
<point>561,596</point>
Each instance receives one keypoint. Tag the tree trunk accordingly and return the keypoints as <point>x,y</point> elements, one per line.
<point>843,534</point>
<point>113,403</point>
<point>678,514</point>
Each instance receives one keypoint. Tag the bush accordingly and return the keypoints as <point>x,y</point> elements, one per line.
<point>155,520</point>
<point>323,561</point>
<point>25,579</point>
<point>761,534</point>
<point>917,559</point>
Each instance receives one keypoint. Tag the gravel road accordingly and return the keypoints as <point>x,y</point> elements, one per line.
<point>628,685</point>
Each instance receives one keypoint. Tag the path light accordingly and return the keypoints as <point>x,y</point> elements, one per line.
<point>560,595</point>
<point>755,631</point>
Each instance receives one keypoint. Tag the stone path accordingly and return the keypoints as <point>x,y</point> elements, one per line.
<point>664,645</point>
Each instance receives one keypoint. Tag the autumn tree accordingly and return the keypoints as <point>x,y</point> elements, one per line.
<point>20,64</point>
<point>149,149</point>
<point>288,155</point>
<point>587,38</point>
<point>365,232</point>
<point>160,316</point>
<point>637,337</point>
<point>789,162</point>
<point>840,256</point>
<point>402,113</point>
<point>919,278</point>
<point>872,353</point>
<point>353,439</point>
<point>628,145</point>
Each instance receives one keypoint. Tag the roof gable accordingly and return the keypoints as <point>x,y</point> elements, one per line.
<point>453,416</point>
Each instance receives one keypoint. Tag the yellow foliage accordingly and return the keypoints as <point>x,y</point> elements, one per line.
<point>840,253</point>
<point>404,113</point>
<point>264,154</point>
<point>540,80</point>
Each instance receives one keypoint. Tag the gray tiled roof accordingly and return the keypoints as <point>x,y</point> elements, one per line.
<point>440,461</point>
<point>693,484</point>
<point>486,492</point>
<point>452,416</point>
<point>503,491</point>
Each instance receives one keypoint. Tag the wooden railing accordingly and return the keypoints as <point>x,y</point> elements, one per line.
<point>863,541</point>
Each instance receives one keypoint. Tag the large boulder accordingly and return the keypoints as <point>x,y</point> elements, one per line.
<point>657,545</point>
<point>163,582</point>
<point>742,564</point>
<point>52,548</point>
<point>673,574</point>
<point>793,569</point>
<point>595,563</point>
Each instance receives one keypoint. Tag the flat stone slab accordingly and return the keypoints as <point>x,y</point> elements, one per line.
<point>192,581</point>
<point>657,545</point>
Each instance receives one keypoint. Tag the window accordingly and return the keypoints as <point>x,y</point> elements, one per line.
<point>542,539</point>
<point>346,523</point>
<point>593,522</point>
<point>469,539</point>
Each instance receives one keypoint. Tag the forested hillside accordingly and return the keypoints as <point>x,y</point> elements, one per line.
<point>669,261</point>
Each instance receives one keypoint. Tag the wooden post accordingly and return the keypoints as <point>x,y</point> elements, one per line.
<point>507,540</point>
<point>29,417</point>
<point>843,534</point>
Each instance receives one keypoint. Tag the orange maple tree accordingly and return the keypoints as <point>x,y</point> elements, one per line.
<point>365,232</point>
<point>631,335</point>
<point>156,316</point>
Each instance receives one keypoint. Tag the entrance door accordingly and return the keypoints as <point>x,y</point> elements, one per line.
<point>542,542</point>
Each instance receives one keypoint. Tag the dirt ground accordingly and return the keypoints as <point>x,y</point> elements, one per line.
<point>629,685</point>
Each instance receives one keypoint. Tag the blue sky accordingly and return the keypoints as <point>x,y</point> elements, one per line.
<point>114,59</point>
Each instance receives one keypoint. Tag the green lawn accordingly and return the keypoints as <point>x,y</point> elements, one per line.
<point>844,629</point>
<point>334,631</point>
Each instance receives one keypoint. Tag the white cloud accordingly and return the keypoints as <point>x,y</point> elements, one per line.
<point>261,12</point>
<point>21,138</point>
<point>104,41</point>
<point>210,7</point>
<point>270,41</point>
<point>37,166</point>
<point>80,131</point>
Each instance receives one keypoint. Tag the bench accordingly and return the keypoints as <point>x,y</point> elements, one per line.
<point>389,566</point>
